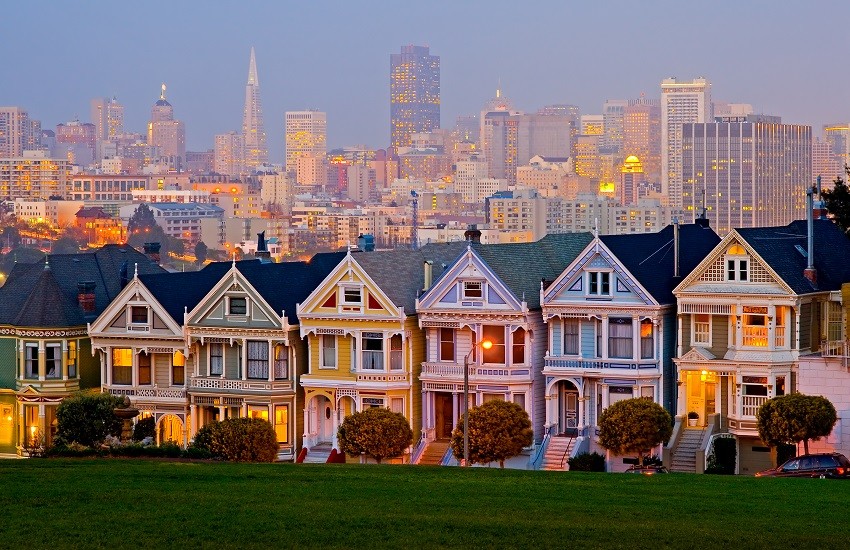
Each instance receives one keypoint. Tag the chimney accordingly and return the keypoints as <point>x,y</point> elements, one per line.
<point>85,295</point>
<point>819,206</point>
<point>472,234</point>
<point>810,272</point>
<point>676,247</point>
<point>429,274</point>
<point>152,251</point>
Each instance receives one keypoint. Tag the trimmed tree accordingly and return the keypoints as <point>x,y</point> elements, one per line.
<point>239,440</point>
<point>498,430</point>
<point>88,419</point>
<point>378,432</point>
<point>634,426</point>
<point>789,419</point>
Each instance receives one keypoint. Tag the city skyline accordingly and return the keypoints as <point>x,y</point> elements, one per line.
<point>343,70</point>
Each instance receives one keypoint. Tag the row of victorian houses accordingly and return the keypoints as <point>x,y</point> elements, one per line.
<point>578,322</point>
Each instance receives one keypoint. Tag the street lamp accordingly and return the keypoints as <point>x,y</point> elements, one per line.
<point>483,344</point>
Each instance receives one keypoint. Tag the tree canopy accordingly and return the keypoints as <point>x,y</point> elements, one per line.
<point>498,430</point>
<point>201,252</point>
<point>789,419</point>
<point>634,426</point>
<point>377,432</point>
<point>837,202</point>
<point>88,419</point>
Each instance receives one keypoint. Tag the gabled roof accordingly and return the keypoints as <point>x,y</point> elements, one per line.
<point>29,295</point>
<point>778,247</point>
<point>649,257</point>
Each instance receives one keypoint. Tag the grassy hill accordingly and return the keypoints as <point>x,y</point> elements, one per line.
<point>131,504</point>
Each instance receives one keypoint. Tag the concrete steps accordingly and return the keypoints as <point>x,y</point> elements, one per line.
<point>318,454</point>
<point>558,453</point>
<point>684,455</point>
<point>433,453</point>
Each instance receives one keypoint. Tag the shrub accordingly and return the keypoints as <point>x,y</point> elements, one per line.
<point>146,427</point>
<point>587,462</point>
<point>634,426</point>
<point>498,430</point>
<point>379,433</point>
<point>239,440</point>
<point>87,419</point>
<point>722,457</point>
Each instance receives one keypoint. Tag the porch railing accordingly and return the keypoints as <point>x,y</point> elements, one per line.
<point>600,364</point>
<point>755,337</point>
<point>750,404</point>
<point>163,393</point>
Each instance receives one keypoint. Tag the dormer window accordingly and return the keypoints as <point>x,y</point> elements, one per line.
<point>599,283</point>
<point>473,290</point>
<point>237,306</point>
<point>737,264</point>
<point>352,295</point>
<point>139,315</point>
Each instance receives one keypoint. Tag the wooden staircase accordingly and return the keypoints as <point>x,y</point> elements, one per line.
<point>434,452</point>
<point>558,453</point>
<point>684,455</point>
<point>318,454</point>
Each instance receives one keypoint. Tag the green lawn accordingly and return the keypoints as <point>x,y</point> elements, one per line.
<point>133,503</point>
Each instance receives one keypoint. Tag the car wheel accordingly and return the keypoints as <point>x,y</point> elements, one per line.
<point>822,476</point>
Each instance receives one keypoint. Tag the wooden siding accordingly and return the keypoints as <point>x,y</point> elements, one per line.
<point>720,334</point>
<point>416,342</point>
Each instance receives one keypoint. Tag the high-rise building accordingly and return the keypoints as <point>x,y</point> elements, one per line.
<point>306,134</point>
<point>16,132</point>
<point>543,135</point>
<point>229,154</point>
<point>642,135</point>
<point>253,130</point>
<point>613,114</point>
<point>78,140</point>
<point>681,103</point>
<point>573,114</point>
<point>107,115</point>
<point>414,94</point>
<point>34,175</point>
<point>747,171</point>
<point>167,134</point>
<point>824,163</point>
<point>838,137</point>
<point>631,177</point>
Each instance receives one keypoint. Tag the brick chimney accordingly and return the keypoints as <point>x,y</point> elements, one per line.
<point>85,295</point>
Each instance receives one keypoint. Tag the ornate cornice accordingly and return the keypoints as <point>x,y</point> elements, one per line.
<point>43,333</point>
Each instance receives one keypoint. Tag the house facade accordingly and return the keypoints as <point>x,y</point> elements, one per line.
<point>611,329</point>
<point>747,314</point>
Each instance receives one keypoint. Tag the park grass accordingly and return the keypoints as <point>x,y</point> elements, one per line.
<point>115,503</point>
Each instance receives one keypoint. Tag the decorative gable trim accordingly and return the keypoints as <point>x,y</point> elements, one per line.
<point>135,291</point>
<point>697,355</point>
<point>233,281</point>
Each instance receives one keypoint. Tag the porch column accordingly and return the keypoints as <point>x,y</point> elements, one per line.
<point>134,369</point>
<point>636,337</point>
<point>41,362</point>
<point>193,420</point>
<point>771,326</point>
<point>64,359</point>
<point>681,393</point>
<point>108,366</point>
<point>244,409</point>
<point>221,412</point>
<point>679,320</point>
<point>244,365</point>
<point>604,340</point>
<point>42,422</point>
<point>550,412</point>
<point>22,427</point>
<point>271,361</point>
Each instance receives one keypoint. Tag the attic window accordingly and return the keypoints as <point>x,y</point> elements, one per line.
<point>237,306</point>
<point>351,295</point>
<point>473,290</point>
<point>139,315</point>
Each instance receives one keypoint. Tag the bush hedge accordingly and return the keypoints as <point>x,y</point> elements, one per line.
<point>239,440</point>
<point>587,462</point>
<point>87,418</point>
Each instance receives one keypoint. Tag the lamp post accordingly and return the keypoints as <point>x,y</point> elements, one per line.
<point>483,344</point>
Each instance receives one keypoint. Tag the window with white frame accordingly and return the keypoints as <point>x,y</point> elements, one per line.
<point>139,315</point>
<point>599,283</point>
<point>496,335</point>
<point>53,361</point>
<point>216,359</point>
<point>473,290</point>
<point>598,329</point>
<point>647,339</point>
<point>737,264</point>
<point>396,353</point>
<point>620,333</point>
<point>701,330</point>
<point>144,360</point>
<point>518,345</point>
<point>178,368</point>
<point>447,344</point>
<point>572,329</point>
<point>397,405</point>
<point>258,359</point>
<point>31,360</point>
<point>352,295</point>
<point>237,305</point>
<point>373,351</point>
<point>754,325</point>
<point>328,360</point>
<point>281,362</point>
<point>122,366</point>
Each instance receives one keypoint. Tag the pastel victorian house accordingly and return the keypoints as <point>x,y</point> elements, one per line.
<point>142,347</point>
<point>365,345</point>
<point>611,319</point>
<point>762,299</point>
<point>45,352</point>
<point>245,350</point>
<point>490,293</point>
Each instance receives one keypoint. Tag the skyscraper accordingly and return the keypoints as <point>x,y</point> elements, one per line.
<point>414,94</point>
<point>306,134</point>
<point>228,154</point>
<point>253,130</point>
<point>753,170</point>
<point>107,115</point>
<point>167,134</point>
<point>642,135</point>
<point>681,103</point>
<point>15,131</point>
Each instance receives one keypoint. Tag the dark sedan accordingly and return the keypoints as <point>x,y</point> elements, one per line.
<point>824,465</point>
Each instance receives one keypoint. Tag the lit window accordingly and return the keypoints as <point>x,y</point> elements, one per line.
<point>178,369</point>
<point>646,339</point>
<point>122,366</point>
<point>496,335</point>
<point>755,327</point>
<point>281,423</point>
<point>72,359</point>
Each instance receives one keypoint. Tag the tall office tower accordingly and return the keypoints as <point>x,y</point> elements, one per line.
<point>501,129</point>
<point>229,154</point>
<point>167,134</point>
<point>592,125</point>
<point>306,134</point>
<point>613,113</point>
<point>824,163</point>
<point>467,175</point>
<point>838,138</point>
<point>631,178</point>
<point>414,94</point>
<point>642,135</point>
<point>78,140</point>
<point>107,115</point>
<point>253,130</point>
<point>574,115</point>
<point>681,103</point>
<point>543,135</point>
<point>14,131</point>
<point>753,170</point>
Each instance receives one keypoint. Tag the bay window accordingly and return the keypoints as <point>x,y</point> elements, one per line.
<point>216,359</point>
<point>144,369</point>
<point>373,351</point>
<point>447,344</point>
<point>620,337</point>
<point>31,361</point>
<point>701,330</point>
<point>571,336</point>
<point>496,335</point>
<point>755,326</point>
<point>281,362</point>
<point>53,361</point>
<point>328,359</point>
<point>396,353</point>
<point>72,359</point>
<point>178,368</point>
<point>518,355</point>
<point>122,366</point>
<point>647,340</point>
<point>258,359</point>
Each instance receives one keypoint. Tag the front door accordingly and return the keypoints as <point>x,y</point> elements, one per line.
<point>701,388</point>
<point>325,418</point>
<point>569,408</point>
<point>443,415</point>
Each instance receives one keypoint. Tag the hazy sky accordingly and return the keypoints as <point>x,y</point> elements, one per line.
<point>785,58</point>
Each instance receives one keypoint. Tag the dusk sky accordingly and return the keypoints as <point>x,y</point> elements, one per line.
<point>784,58</point>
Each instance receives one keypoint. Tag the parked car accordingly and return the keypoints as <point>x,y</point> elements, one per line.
<point>823,465</point>
<point>648,470</point>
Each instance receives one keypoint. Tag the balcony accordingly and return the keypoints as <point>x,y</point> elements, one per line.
<point>199,383</point>
<point>162,394</point>
<point>476,372</point>
<point>750,405</point>
<point>555,364</point>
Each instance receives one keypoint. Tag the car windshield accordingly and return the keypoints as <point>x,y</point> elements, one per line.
<point>843,461</point>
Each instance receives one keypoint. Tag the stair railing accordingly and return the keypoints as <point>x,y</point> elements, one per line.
<point>447,457</point>
<point>537,457</point>
<point>568,449</point>
<point>418,450</point>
